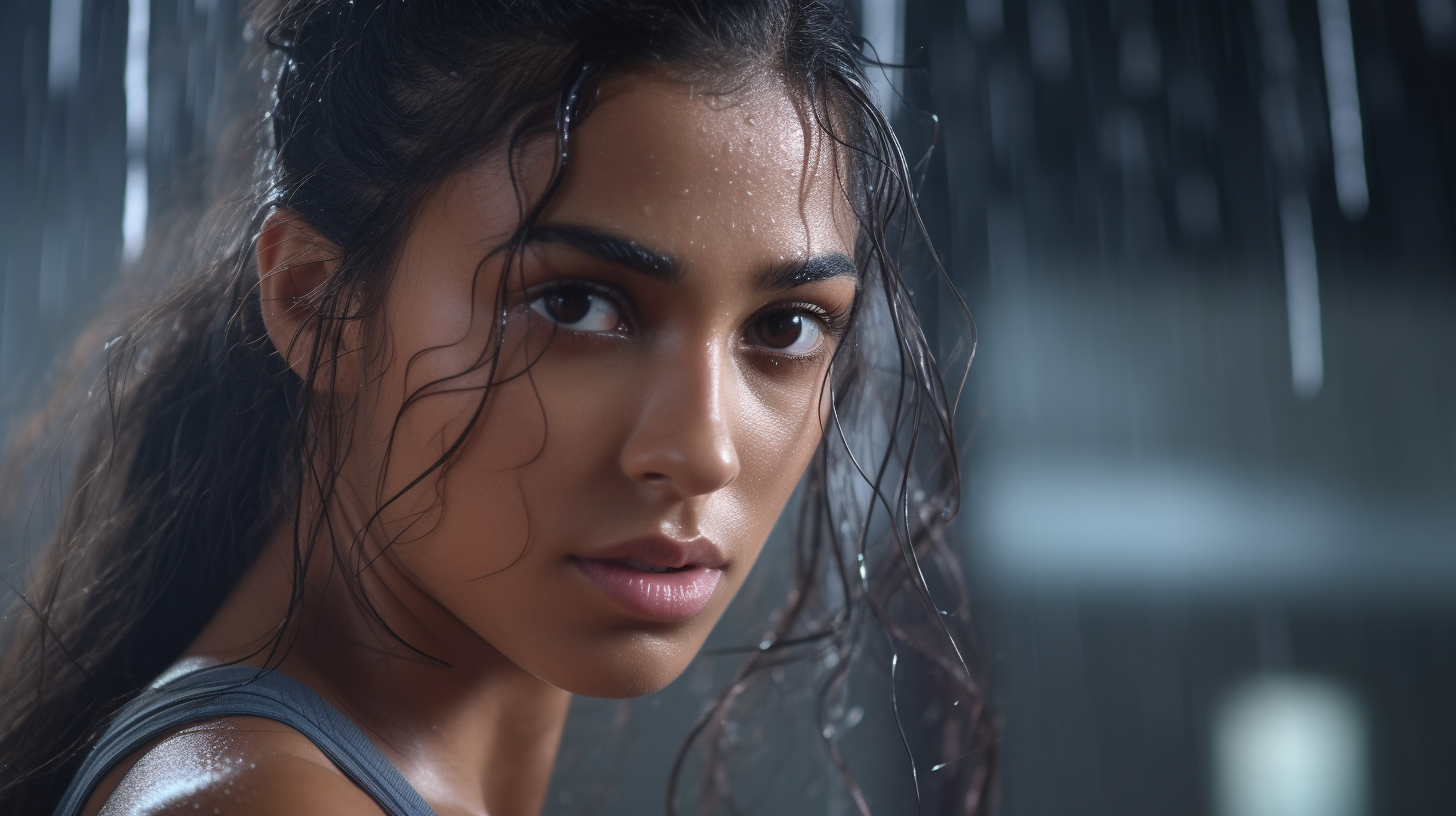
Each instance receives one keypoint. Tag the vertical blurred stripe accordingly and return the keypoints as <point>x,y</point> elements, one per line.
<point>1301,280</point>
<point>134,209</point>
<point>883,23</point>
<point>1346,129</point>
<point>64,66</point>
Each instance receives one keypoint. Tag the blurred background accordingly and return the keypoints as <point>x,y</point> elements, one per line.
<point>1211,249</point>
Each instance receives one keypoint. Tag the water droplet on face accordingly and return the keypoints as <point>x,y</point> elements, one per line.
<point>648,209</point>
<point>686,191</point>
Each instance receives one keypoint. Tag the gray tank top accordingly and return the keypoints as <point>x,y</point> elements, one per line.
<point>244,691</point>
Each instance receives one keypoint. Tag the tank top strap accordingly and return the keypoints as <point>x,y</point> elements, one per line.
<point>244,691</point>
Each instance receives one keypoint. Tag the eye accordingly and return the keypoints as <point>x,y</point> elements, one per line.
<point>789,331</point>
<point>579,309</point>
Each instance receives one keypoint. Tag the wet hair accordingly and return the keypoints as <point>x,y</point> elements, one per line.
<point>201,441</point>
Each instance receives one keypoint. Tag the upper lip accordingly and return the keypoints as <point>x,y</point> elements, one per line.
<point>663,551</point>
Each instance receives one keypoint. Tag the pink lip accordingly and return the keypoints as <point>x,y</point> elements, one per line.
<point>623,573</point>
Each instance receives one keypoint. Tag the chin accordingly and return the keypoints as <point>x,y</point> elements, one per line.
<point>622,667</point>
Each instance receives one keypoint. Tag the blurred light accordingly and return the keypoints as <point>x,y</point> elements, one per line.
<point>1196,197</point>
<point>985,17</point>
<point>1301,279</point>
<point>1051,39</point>
<point>1124,140</point>
<point>1289,746</point>
<point>134,211</point>
<point>1140,66</point>
<point>64,65</point>
<point>1096,523</point>
<point>135,201</point>
<point>1438,19</point>
<point>1346,136</point>
<point>882,24</point>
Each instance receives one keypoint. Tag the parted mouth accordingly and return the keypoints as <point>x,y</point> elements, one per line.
<point>660,554</point>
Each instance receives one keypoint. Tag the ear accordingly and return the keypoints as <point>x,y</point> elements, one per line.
<point>294,263</point>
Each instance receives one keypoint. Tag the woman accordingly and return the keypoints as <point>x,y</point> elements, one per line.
<point>546,310</point>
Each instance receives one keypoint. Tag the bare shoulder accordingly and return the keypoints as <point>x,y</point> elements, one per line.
<point>234,765</point>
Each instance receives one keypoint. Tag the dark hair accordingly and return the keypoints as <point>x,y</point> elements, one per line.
<point>202,441</point>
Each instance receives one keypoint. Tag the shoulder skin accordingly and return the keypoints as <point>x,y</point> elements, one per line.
<point>234,766</point>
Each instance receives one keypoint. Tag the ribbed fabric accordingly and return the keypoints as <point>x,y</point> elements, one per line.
<point>245,691</point>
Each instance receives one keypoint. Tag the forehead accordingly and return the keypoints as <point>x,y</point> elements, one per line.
<point>690,168</point>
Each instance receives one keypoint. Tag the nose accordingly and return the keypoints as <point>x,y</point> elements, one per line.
<point>682,442</point>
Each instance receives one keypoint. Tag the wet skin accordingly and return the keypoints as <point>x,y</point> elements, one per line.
<point>660,379</point>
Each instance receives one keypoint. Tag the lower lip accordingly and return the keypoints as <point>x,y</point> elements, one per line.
<point>661,596</point>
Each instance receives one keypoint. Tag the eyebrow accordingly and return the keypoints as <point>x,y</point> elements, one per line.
<point>662,266</point>
<point>609,248</point>
<point>810,270</point>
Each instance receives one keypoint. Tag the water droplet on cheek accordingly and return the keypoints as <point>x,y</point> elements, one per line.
<point>648,209</point>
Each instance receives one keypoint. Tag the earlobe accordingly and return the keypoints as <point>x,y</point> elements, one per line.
<point>294,264</point>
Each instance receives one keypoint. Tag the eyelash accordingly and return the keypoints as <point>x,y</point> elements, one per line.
<point>833,323</point>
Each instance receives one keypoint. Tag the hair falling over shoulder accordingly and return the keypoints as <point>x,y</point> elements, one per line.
<point>199,441</point>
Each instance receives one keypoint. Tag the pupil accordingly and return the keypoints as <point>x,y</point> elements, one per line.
<point>568,307</point>
<point>782,330</point>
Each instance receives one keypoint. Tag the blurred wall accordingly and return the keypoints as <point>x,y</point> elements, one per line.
<point>1210,249</point>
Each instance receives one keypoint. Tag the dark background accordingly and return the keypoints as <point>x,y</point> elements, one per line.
<point>1209,245</point>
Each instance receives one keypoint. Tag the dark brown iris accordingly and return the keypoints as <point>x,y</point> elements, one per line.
<point>568,306</point>
<point>781,330</point>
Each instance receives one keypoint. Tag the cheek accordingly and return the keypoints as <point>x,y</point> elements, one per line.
<point>468,518</point>
<point>482,521</point>
<point>779,429</point>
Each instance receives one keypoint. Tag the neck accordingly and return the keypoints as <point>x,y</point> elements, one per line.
<point>468,728</point>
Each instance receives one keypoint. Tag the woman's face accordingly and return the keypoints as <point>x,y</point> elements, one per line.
<point>659,390</point>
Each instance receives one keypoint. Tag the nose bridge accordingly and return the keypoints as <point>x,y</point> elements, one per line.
<point>683,439</point>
